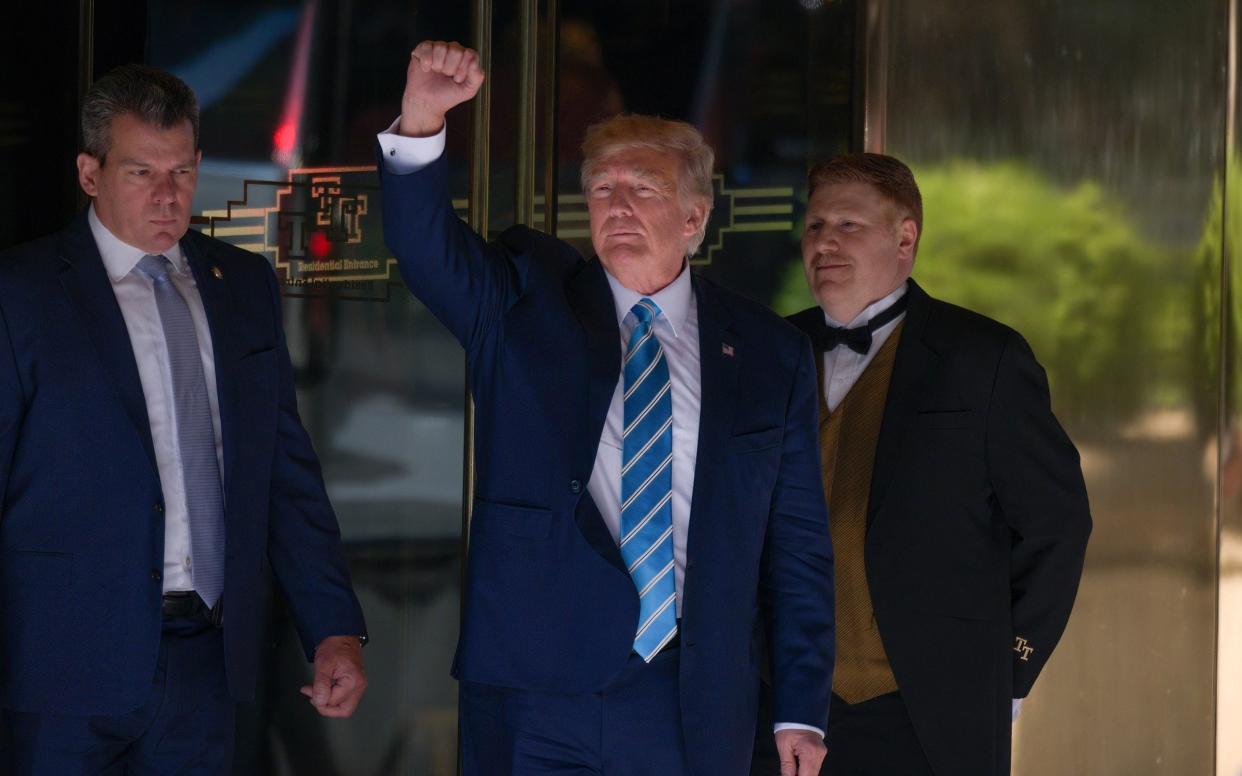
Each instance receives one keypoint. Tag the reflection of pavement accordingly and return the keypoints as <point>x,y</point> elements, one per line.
<point>1151,500</point>
<point>1229,659</point>
<point>407,721</point>
<point>1131,688</point>
<point>415,487</point>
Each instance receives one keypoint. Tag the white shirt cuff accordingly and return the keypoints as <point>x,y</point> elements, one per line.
<point>779,726</point>
<point>1017,707</point>
<point>404,155</point>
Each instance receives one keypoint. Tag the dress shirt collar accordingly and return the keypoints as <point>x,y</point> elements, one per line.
<point>673,299</point>
<point>120,258</point>
<point>871,310</point>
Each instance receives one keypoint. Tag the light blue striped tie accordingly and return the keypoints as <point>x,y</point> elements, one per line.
<point>196,437</point>
<point>647,483</point>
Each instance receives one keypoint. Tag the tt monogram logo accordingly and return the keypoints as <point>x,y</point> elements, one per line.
<point>1022,648</point>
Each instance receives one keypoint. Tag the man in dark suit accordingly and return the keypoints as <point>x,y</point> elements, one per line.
<point>152,468</point>
<point>957,505</point>
<point>648,474</point>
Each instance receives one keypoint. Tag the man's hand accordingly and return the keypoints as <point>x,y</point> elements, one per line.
<point>801,752</point>
<point>340,678</point>
<point>441,75</point>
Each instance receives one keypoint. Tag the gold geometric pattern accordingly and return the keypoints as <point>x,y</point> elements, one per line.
<point>316,232</point>
<point>734,211</point>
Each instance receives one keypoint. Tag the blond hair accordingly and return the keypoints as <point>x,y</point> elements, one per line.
<point>630,130</point>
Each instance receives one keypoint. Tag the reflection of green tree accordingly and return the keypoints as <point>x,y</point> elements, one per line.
<point>1208,291</point>
<point>1065,267</point>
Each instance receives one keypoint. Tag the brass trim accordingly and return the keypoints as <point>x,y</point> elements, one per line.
<point>86,35</point>
<point>527,100</point>
<point>1228,606</point>
<point>875,74</point>
<point>86,76</point>
<point>480,144</point>
<point>480,139</point>
<point>551,103</point>
<point>477,204</point>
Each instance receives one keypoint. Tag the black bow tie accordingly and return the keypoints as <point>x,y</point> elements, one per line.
<point>858,339</point>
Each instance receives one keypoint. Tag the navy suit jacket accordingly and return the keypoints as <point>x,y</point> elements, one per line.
<point>549,604</point>
<point>81,509</point>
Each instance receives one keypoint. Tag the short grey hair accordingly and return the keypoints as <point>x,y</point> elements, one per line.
<point>160,99</point>
<point>625,131</point>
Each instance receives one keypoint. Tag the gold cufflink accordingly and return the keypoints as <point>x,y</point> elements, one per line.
<point>215,271</point>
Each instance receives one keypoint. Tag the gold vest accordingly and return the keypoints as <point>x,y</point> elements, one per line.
<point>847,442</point>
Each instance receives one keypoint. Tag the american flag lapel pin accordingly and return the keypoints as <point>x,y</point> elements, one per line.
<point>726,349</point>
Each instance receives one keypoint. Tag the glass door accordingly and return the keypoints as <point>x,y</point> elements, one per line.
<point>771,85</point>
<point>292,93</point>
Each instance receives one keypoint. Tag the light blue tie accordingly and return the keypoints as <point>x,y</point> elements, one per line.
<point>647,483</point>
<point>196,437</point>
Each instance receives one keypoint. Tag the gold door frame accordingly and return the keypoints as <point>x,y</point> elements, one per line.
<point>1226,627</point>
<point>537,98</point>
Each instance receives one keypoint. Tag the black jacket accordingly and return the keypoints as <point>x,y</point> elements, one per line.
<point>977,527</point>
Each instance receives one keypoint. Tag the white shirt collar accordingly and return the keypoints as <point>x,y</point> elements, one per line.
<point>673,299</point>
<point>871,310</point>
<point>119,257</point>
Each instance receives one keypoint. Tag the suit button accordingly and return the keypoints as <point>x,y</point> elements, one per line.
<point>157,575</point>
<point>158,507</point>
<point>575,486</point>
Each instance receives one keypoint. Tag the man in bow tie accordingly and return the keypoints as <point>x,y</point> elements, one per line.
<point>153,468</point>
<point>648,500</point>
<point>957,507</point>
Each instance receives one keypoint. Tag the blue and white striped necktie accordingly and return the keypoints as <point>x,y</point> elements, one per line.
<point>647,483</point>
<point>196,435</point>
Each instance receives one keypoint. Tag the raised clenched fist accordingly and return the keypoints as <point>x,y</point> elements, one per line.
<point>440,75</point>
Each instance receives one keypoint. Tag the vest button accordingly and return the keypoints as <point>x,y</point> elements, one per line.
<point>157,575</point>
<point>575,486</point>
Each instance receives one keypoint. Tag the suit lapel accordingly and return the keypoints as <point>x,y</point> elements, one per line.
<point>721,350</point>
<point>914,371</point>
<point>218,305</point>
<point>86,282</point>
<point>590,298</point>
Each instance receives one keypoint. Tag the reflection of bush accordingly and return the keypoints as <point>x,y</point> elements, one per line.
<point>1099,305</point>
<point>1208,291</point>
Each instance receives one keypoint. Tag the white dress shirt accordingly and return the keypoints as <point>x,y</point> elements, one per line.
<point>136,296</point>
<point>843,366</point>
<point>404,155</point>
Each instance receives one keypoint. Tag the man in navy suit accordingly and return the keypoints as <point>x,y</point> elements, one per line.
<point>152,468</point>
<point>648,510</point>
